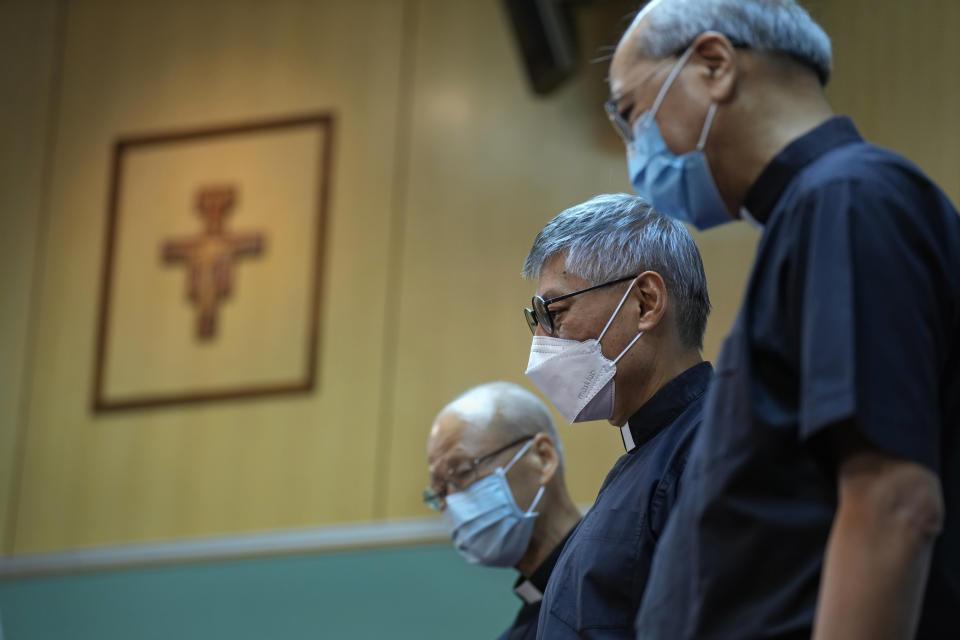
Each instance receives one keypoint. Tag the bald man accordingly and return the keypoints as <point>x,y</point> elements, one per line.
<point>496,473</point>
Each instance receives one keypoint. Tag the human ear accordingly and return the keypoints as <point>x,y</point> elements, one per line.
<point>651,294</point>
<point>718,57</point>
<point>546,451</point>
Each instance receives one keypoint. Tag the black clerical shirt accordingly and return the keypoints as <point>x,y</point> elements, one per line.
<point>599,579</point>
<point>851,321</point>
<point>530,591</point>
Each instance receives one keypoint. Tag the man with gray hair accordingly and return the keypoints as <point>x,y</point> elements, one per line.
<point>496,473</point>
<point>618,324</point>
<point>830,447</point>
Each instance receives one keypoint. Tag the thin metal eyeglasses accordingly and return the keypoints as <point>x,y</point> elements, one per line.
<point>540,311</point>
<point>620,124</point>
<point>464,476</point>
<point>616,117</point>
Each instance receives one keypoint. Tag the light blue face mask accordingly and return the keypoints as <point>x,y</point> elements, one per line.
<point>678,186</point>
<point>485,523</point>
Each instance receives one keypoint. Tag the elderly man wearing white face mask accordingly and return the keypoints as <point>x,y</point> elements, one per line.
<point>618,324</point>
<point>496,473</point>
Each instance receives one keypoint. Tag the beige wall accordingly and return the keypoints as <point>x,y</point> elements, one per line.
<point>28,37</point>
<point>895,74</point>
<point>274,463</point>
<point>445,167</point>
<point>489,165</point>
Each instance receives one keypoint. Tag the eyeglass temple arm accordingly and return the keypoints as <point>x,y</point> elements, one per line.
<point>487,456</point>
<point>576,293</point>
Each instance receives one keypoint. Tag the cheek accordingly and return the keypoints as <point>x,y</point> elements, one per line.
<point>525,489</point>
<point>579,331</point>
<point>568,331</point>
<point>619,335</point>
<point>615,341</point>
<point>681,118</point>
<point>584,322</point>
<point>679,134</point>
<point>569,327</point>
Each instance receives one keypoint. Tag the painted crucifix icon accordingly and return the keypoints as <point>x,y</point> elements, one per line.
<point>210,256</point>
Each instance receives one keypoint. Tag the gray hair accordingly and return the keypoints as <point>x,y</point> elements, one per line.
<point>778,26</point>
<point>509,408</point>
<point>616,235</point>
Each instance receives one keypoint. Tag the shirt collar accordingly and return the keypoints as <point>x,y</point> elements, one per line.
<point>531,589</point>
<point>770,184</point>
<point>665,405</point>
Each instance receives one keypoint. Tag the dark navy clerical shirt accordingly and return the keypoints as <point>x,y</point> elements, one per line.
<point>596,586</point>
<point>850,326</point>
<point>530,591</point>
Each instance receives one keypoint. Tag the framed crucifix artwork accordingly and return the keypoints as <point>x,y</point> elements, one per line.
<point>213,263</point>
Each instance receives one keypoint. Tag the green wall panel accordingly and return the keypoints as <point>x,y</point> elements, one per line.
<point>417,592</point>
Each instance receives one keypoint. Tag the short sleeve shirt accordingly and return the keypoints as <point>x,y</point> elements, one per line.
<point>851,320</point>
<point>599,579</point>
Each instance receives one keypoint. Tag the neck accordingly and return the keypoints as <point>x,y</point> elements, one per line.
<point>771,114</point>
<point>558,515</point>
<point>669,365</point>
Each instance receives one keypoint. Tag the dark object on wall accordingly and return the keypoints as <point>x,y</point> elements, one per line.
<point>545,32</point>
<point>210,256</point>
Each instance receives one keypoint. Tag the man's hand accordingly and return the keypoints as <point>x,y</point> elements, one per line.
<point>878,554</point>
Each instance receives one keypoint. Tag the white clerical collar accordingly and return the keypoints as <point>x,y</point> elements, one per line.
<point>749,219</point>
<point>627,436</point>
<point>528,592</point>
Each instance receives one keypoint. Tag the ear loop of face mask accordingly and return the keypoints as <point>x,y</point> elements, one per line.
<point>536,498</point>
<point>651,114</point>
<point>614,315</point>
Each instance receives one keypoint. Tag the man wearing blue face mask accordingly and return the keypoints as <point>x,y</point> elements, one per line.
<point>819,492</point>
<point>496,473</point>
<point>618,324</point>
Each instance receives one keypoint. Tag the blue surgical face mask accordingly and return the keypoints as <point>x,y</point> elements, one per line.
<point>485,523</point>
<point>678,186</point>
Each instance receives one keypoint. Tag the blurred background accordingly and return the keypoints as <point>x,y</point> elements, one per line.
<point>274,490</point>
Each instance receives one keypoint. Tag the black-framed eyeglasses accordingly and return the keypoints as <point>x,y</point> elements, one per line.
<point>540,311</point>
<point>464,476</point>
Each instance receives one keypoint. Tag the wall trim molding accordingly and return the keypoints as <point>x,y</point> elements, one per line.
<point>384,533</point>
